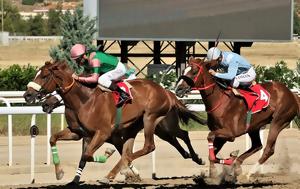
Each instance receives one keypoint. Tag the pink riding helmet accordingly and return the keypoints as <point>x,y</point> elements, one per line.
<point>77,50</point>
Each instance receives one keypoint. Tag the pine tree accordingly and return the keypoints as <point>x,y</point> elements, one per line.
<point>75,28</point>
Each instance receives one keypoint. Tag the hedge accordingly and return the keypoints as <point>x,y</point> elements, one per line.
<point>16,78</point>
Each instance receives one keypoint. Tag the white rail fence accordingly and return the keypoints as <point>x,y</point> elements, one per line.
<point>12,97</point>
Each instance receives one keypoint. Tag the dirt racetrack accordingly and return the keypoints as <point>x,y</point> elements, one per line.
<point>281,171</point>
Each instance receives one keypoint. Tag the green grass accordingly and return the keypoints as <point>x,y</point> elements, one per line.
<point>21,124</point>
<point>194,126</point>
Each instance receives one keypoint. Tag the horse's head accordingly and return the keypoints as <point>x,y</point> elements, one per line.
<point>50,77</point>
<point>194,76</point>
<point>50,103</point>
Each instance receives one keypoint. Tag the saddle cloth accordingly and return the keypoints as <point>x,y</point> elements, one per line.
<point>256,100</point>
<point>125,86</point>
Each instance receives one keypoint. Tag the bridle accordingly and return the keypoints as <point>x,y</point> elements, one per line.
<point>42,91</point>
<point>191,83</point>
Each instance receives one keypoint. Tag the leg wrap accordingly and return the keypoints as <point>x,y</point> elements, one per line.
<point>100,159</point>
<point>211,151</point>
<point>55,157</point>
<point>228,161</point>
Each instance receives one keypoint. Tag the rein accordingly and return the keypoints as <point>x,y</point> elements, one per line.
<point>197,76</point>
<point>67,88</point>
<point>200,71</point>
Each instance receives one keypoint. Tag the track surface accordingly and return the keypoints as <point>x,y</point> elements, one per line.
<point>282,170</point>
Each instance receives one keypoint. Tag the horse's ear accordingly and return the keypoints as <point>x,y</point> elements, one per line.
<point>191,59</point>
<point>48,63</point>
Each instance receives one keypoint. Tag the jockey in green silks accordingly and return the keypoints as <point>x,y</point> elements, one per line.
<point>104,68</point>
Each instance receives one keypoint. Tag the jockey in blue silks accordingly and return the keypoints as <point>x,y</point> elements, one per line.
<point>237,69</point>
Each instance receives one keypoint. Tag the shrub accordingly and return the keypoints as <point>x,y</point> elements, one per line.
<point>280,72</point>
<point>16,77</point>
<point>28,2</point>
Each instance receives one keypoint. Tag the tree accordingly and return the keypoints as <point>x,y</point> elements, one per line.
<point>36,26</point>
<point>53,22</point>
<point>12,21</point>
<point>75,28</point>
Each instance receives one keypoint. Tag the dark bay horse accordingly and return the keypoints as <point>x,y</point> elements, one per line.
<point>227,113</point>
<point>96,113</point>
<point>168,129</point>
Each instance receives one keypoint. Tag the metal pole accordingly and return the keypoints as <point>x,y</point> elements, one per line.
<point>48,138</point>
<point>32,156</point>
<point>2,21</point>
<point>9,122</point>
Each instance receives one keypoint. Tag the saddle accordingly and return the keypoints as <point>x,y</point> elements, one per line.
<point>124,85</point>
<point>255,96</point>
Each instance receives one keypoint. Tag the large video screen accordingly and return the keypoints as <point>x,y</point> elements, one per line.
<point>195,20</point>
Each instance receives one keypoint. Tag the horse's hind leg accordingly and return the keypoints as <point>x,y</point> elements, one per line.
<point>171,139</point>
<point>150,122</point>
<point>276,126</point>
<point>274,131</point>
<point>256,146</point>
<point>184,135</point>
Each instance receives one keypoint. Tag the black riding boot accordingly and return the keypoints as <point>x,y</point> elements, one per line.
<point>123,95</point>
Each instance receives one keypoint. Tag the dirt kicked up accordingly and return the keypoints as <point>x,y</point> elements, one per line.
<point>264,181</point>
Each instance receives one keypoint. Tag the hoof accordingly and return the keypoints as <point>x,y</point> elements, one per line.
<point>199,161</point>
<point>104,181</point>
<point>234,154</point>
<point>76,179</point>
<point>132,178</point>
<point>213,173</point>
<point>73,185</point>
<point>237,170</point>
<point>60,174</point>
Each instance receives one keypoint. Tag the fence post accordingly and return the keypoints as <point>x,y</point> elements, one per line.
<point>62,121</point>
<point>33,134</point>
<point>153,155</point>
<point>48,137</point>
<point>9,124</point>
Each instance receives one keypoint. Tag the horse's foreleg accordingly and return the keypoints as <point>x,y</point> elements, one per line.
<point>222,135</point>
<point>65,134</point>
<point>256,146</point>
<point>82,163</point>
<point>215,145</point>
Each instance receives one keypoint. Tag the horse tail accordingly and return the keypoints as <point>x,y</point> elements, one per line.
<point>185,114</point>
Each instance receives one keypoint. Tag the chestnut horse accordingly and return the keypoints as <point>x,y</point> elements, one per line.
<point>96,113</point>
<point>168,129</point>
<point>227,113</point>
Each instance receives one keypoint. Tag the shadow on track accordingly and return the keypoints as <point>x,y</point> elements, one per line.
<point>199,182</point>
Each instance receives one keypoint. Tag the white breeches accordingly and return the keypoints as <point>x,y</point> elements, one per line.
<point>117,73</point>
<point>244,78</point>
